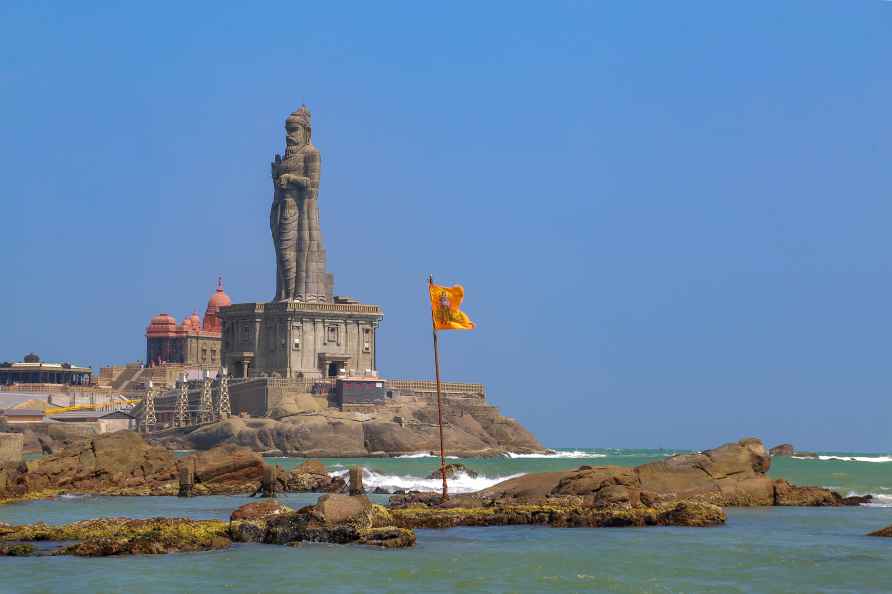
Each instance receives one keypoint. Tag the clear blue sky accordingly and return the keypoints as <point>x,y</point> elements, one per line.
<point>671,218</point>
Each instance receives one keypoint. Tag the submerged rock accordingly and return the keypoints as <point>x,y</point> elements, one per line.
<point>885,532</point>
<point>17,550</point>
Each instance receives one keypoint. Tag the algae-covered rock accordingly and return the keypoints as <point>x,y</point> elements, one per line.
<point>569,513</point>
<point>17,550</point>
<point>123,536</point>
<point>388,538</point>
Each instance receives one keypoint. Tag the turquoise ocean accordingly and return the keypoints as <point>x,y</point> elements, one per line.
<point>758,550</point>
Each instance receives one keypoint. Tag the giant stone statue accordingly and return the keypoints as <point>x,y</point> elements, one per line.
<point>294,217</point>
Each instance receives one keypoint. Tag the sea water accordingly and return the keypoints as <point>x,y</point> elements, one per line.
<point>758,550</point>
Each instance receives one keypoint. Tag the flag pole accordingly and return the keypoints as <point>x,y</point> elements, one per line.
<point>439,399</point>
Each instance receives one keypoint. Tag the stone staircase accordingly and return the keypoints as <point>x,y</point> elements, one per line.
<point>129,374</point>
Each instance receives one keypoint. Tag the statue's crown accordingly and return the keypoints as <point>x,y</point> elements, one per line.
<point>300,117</point>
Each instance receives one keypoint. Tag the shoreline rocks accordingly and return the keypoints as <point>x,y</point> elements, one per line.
<point>123,463</point>
<point>733,474</point>
<point>882,532</point>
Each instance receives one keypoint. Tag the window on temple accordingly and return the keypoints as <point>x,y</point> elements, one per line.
<point>366,340</point>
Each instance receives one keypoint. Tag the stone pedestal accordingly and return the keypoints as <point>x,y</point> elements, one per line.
<point>294,339</point>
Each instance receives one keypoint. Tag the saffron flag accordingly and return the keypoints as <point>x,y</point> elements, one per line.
<point>445,302</point>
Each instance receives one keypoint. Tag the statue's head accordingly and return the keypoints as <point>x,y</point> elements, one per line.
<point>297,128</point>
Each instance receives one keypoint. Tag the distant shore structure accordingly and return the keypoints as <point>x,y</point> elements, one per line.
<point>306,332</point>
<point>194,341</point>
<point>31,370</point>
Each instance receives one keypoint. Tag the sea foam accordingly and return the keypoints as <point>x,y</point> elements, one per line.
<point>848,458</point>
<point>556,454</point>
<point>877,501</point>
<point>460,483</point>
<point>425,455</point>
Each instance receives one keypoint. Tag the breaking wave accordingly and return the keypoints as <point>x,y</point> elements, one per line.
<point>557,454</point>
<point>425,455</point>
<point>878,500</point>
<point>848,458</point>
<point>391,483</point>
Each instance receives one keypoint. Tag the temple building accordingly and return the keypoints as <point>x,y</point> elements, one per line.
<point>34,371</point>
<point>194,342</point>
<point>306,331</point>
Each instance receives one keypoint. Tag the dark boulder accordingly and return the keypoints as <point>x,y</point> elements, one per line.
<point>784,449</point>
<point>454,469</point>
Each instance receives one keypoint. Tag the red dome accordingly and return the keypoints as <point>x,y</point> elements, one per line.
<point>191,323</point>
<point>162,325</point>
<point>219,298</point>
<point>212,322</point>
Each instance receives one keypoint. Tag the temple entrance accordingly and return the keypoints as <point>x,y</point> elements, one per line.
<point>330,364</point>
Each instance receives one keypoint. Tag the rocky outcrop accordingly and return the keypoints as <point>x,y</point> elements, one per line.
<point>472,429</point>
<point>730,475</point>
<point>118,462</point>
<point>123,463</point>
<point>225,469</point>
<point>340,519</point>
<point>454,469</point>
<point>312,476</point>
<point>259,510</point>
<point>784,449</point>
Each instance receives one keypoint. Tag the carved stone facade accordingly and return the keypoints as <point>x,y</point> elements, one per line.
<point>305,332</point>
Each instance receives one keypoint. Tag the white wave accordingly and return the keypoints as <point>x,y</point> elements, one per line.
<point>460,483</point>
<point>573,454</point>
<point>877,501</point>
<point>848,458</point>
<point>425,455</point>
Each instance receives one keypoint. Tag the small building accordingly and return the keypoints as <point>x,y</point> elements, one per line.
<point>194,342</point>
<point>34,371</point>
<point>18,416</point>
<point>106,421</point>
<point>360,390</point>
